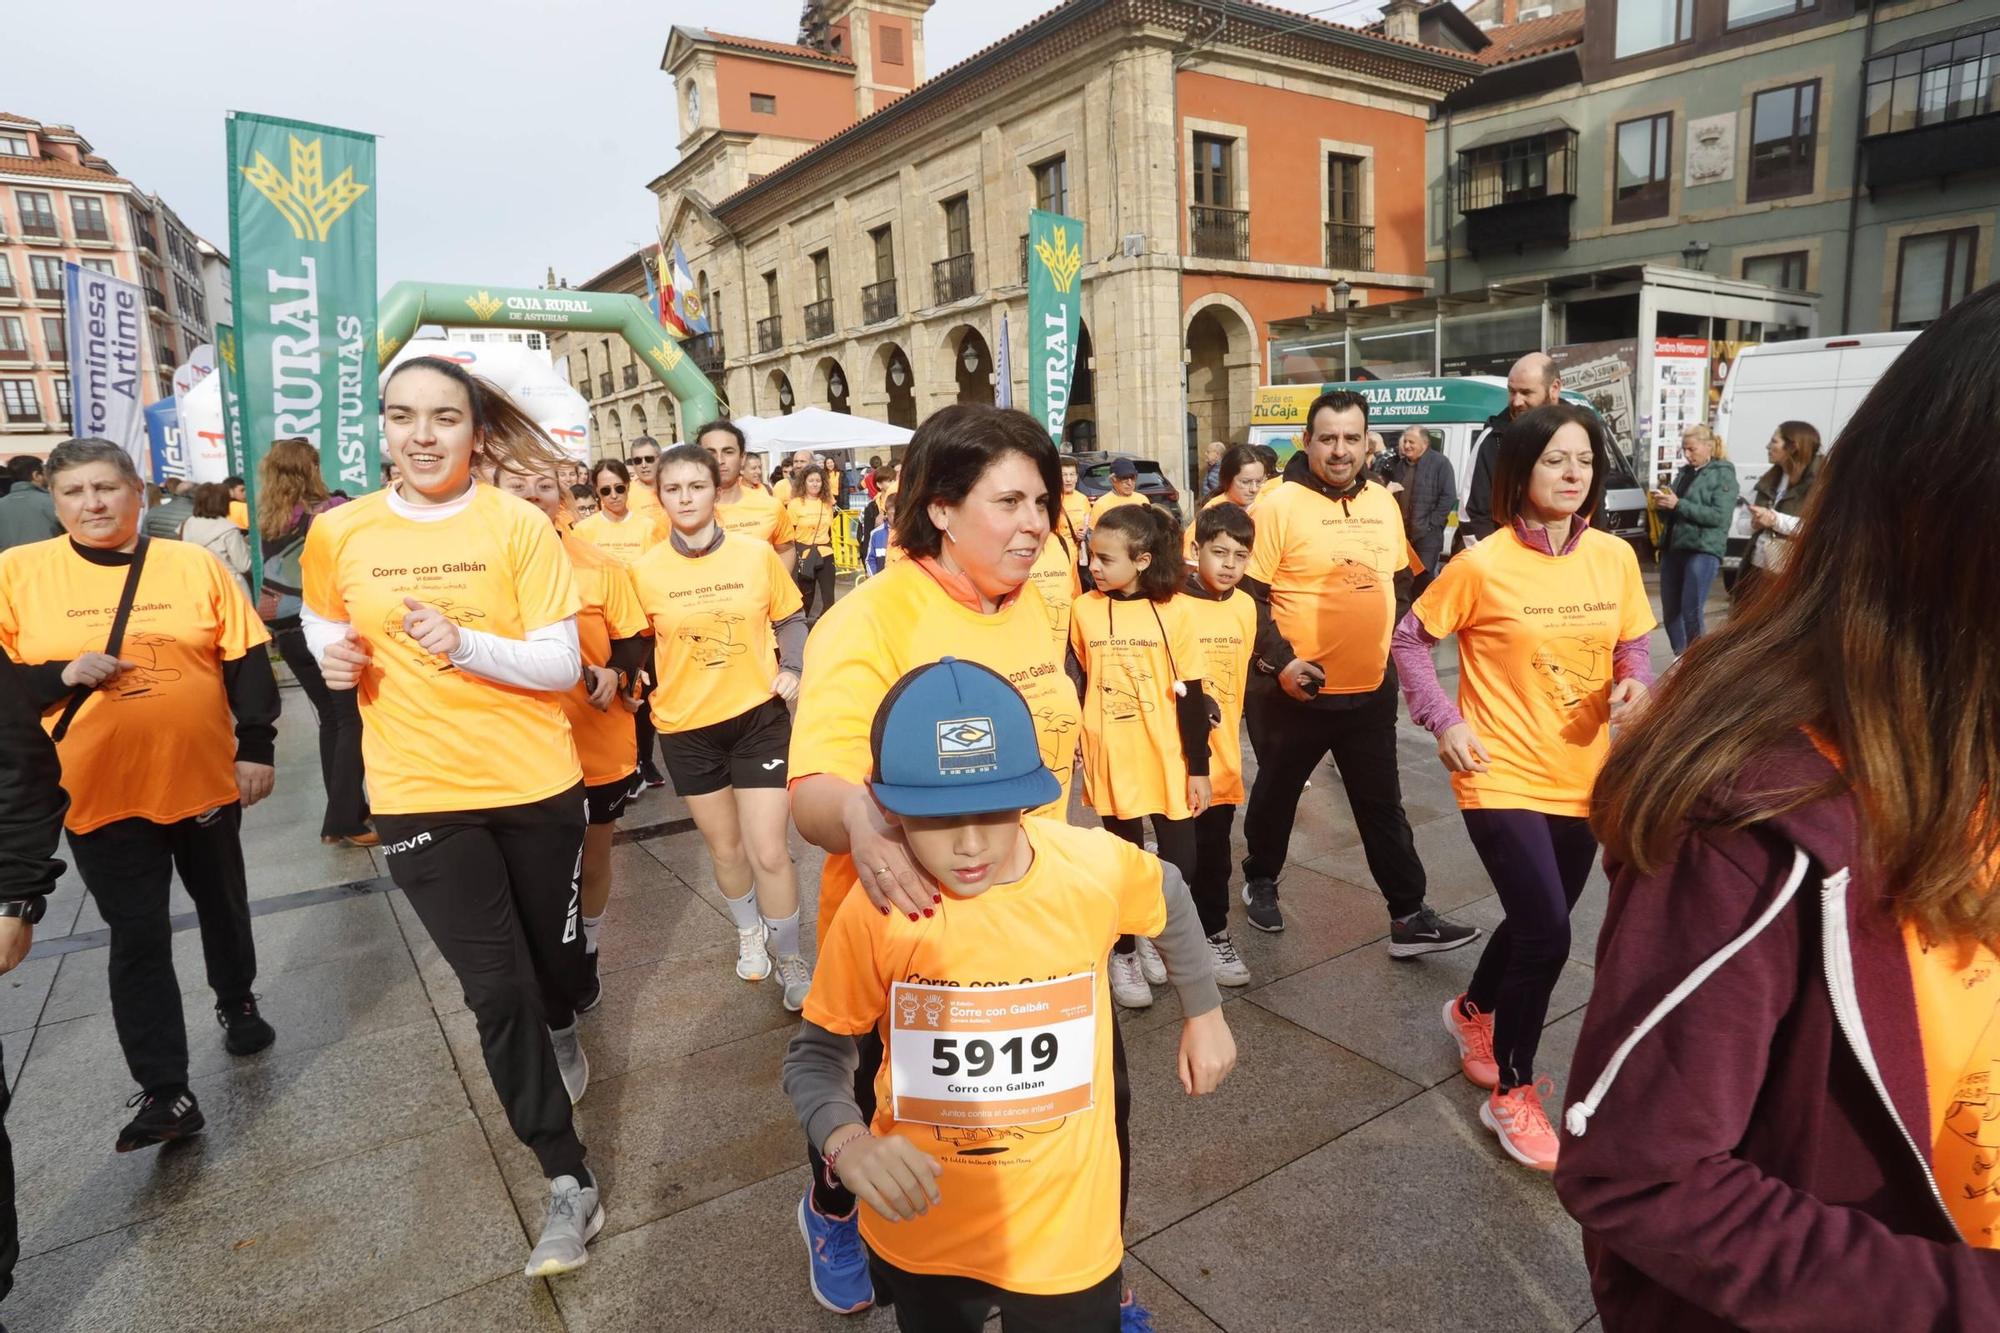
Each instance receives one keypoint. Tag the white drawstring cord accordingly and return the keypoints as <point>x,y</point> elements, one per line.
<point>1577,1119</point>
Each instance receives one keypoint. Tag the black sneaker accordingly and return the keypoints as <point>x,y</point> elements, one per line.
<point>1427,932</point>
<point>164,1116</point>
<point>1261,897</point>
<point>636,788</point>
<point>650,774</point>
<point>244,1031</point>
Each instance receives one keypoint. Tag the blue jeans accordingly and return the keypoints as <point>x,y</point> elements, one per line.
<point>1685,578</point>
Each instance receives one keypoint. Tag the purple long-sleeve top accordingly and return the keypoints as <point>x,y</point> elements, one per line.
<point>1410,647</point>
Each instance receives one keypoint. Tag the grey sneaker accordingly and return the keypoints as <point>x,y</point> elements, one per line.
<point>573,1064</point>
<point>795,975</point>
<point>1230,969</point>
<point>1427,932</point>
<point>575,1216</point>
<point>1260,897</point>
<point>1150,963</point>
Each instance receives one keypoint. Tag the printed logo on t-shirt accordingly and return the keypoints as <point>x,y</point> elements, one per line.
<point>146,675</point>
<point>1571,670</point>
<point>965,745</point>
<point>713,637</point>
<point>462,616</point>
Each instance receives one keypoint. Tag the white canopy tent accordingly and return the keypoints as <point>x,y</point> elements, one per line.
<point>820,431</point>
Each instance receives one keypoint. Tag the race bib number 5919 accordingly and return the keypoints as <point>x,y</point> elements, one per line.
<point>993,1055</point>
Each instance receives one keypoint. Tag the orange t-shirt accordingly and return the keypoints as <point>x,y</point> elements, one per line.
<point>1132,653</point>
<point>895,622</point>
<point>644,501</point>
<point>712,618</point>
<point>811,522</point>
<point>1331,566</point>
<point>239,514</point>
<point>1227,630</point>
<point>1535,640</point>
<point>1031,1207</point>
<point>1075,520</point>
<point>628,538</point>
<point>605,739</point>
<point>756,515</point>
<point>1220,497</point>
<point>435,738</point>
<point>1055,577</point>
<point>1110,500</point>
<point>1958,1016</point>
<point>157,743</point>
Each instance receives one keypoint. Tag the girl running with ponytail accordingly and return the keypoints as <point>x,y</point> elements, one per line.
<point>451,609</point>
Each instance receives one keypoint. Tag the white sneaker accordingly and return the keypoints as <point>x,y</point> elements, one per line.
<point>1230,969</point>
<point>1151,963</point>
<point>796,976</point>
<point>571,1062</point>
<point>1128,982</point>
<point>574,1216</point>
<point>753,960</point>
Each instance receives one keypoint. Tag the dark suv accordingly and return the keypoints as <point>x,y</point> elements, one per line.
<point>1093,478</point>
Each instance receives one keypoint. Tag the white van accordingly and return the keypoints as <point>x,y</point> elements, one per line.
<point>1819,381</point>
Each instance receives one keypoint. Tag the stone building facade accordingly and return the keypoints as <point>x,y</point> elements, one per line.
<point>856,229</point>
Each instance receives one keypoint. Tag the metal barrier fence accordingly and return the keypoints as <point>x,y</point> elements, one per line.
<point>846,541</point>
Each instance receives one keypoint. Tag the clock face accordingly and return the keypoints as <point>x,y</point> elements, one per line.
<point>694,100</point>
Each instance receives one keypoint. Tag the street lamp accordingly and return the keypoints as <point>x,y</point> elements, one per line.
<point>969,357</point>
<point>836,386</point>
<point>1695,255</point>
<point>897,374</point>
<point>785,395</point>
<point>1342,290</point>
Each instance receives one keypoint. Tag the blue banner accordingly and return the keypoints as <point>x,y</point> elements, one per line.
<point>163,430</point>
<point>106,319</point>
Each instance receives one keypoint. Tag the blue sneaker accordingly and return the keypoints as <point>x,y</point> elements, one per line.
<point>1133,1317</point>
<point>838,1269</point>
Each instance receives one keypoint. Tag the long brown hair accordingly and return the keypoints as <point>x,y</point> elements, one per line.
<point>287,480</point>
<point>1879,634</point>
<point>514,442</point>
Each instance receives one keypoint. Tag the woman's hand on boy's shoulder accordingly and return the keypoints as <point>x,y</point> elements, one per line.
<point>890,1175</point>
<point>1207,1054</point>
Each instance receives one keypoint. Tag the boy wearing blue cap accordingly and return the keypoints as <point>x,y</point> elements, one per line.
<point>990,1171</point>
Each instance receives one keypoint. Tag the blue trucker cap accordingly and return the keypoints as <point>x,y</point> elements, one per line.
<point>954,738</point>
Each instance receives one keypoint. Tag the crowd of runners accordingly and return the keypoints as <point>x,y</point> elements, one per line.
<point>495,675</point>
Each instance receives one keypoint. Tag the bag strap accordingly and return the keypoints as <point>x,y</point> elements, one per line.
<point>117,640</point>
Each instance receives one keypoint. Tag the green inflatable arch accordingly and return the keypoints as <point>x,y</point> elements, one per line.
<point>407,305</point>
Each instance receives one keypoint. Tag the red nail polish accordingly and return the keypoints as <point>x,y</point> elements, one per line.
<point>885,911</point>
<point>927,911</point>
<point>938,898</point>
<point>913,916</point>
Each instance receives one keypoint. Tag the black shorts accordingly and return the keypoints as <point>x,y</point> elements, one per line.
<point>605,802</point>
<point>748,750</point>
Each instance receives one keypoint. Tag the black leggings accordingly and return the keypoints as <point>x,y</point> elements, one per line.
<point>1538,864</point>
<point>945,1303</point>
<point>1209,884</point>
<point>834,1199</point>
<point>818,584</point>
<point>498,892</point>
<point>339,713</point>
<point>1176,838</point>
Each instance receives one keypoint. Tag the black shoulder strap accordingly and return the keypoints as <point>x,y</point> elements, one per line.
<point>117,639</point>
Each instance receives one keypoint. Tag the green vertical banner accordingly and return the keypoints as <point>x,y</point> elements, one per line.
<point>230,379</point>
<point>1055,259</point>
<point>302,252</point>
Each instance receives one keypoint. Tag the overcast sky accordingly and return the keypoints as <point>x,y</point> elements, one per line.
<point>514,134</point>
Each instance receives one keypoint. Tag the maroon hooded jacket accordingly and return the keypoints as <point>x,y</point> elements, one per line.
<point>1748,1144</point>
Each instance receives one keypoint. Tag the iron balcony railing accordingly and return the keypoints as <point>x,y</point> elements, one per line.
<point>1219,233</point>
<point>1350,245</point>
<point>951,279</point>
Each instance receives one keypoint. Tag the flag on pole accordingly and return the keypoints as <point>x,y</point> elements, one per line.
<point>105,320</point>
<point>1003,368</point>
<point>690,312</point>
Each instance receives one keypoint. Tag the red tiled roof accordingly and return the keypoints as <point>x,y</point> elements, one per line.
<point>1306,23</point>
<point>1536,37</point>
<point>11,119</point>
<point>777,48</point>
<point>56,168</point>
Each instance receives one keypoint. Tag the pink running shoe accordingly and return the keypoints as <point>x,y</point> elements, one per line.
<point>1474,1036</point>
<point>1522,1125</point>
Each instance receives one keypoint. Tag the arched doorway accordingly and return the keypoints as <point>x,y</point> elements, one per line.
<point>834,385</point>
<point>778,394</point>
<point>899,384</point>
<point>1221,378</point>
<point>1080,423</point>
<point>972,359</point>
<point>615,439</point>
<point>638,420</point>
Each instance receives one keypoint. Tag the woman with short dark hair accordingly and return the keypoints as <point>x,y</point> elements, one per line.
<point>1552,621</point>
<point>1781,1103</point>
<point>157,777</point>
<point>212,529</point>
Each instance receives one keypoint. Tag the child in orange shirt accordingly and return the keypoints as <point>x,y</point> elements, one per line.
<point>996,1025</point>
<point>1145,712</point>
<point>1226,621</point>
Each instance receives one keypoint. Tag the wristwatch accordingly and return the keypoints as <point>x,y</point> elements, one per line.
<point>28,909</point>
